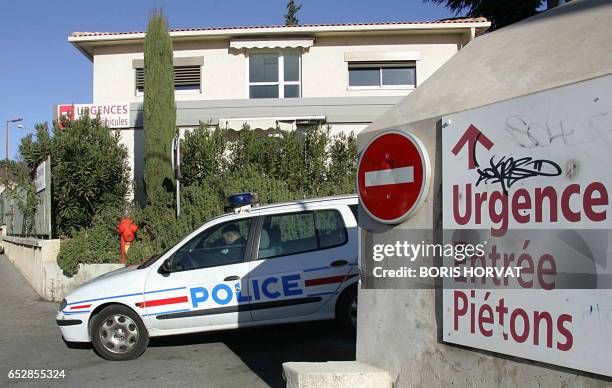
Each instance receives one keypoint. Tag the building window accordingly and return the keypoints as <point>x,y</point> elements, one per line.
<point>381,75</point>
<point>187,79</point>
<point>274,75</point>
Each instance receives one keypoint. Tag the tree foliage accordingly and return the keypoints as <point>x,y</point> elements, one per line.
<point>291,16</point>
<point>89,170</point>
<point>19,186</point>
<point>501,13</point>
<point>159,112</point>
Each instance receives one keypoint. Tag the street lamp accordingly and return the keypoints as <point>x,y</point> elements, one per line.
<point>6,140</point>
<point>26,128</point>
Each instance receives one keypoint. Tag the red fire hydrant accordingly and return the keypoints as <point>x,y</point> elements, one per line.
<point>127,230</point>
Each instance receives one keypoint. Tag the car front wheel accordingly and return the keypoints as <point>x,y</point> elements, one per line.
<point>118,334</point>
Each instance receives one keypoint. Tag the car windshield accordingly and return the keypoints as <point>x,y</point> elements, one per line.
<point>152,259</point>
<point>148,262</point>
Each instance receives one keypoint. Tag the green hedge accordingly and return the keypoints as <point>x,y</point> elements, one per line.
<point>288,167</point>
<point>96,244</point>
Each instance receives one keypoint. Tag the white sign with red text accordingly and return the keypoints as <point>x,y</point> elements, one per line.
<point>112,115</point>
<point>513,169</point>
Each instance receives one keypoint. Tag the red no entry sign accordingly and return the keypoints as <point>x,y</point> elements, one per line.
<point>393,176</point>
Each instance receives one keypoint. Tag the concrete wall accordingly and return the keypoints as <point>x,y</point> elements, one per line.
<point>400,330</point>
<point>335,374</point>
<point>37,262</point>
<point>225,71</point>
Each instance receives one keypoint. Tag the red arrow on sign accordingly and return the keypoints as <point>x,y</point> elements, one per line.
<point>472,136</point>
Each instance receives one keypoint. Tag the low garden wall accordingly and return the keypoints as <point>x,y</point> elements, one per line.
<point>37,261</point>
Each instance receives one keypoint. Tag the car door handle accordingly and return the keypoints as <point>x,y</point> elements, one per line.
<point>230,278</point>
<point>339,263</point>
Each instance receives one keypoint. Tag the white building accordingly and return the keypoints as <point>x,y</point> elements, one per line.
<point>344,75</point>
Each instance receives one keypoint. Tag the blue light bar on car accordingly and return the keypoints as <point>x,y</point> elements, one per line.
<point>242,199</point>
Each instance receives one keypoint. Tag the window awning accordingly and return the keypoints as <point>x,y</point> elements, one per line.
<point>381,56</point>
<point>177,61</point>
<point>271,43</point>
<point>284,123</point>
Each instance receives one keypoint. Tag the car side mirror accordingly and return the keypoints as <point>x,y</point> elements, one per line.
<point>166,266</point>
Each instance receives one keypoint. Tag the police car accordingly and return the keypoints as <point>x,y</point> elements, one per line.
<point>258,265</point>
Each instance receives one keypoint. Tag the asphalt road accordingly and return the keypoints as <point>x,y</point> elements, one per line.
<point>29,339</point>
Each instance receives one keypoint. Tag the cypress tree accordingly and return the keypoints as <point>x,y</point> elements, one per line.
<point>291,16</point>
<point>159,112</point>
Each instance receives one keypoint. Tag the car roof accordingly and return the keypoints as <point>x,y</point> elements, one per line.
<point>344,199</point>
<point>348,199</point>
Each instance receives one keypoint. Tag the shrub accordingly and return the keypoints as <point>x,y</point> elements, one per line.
<point>342,168</point>
<point>204,153</point>
<point>89,173</point>
<point>292,169</point>
<point>316,158</point>
<point>89,170</point>
<point>89,179</point>
<point>97,244</point>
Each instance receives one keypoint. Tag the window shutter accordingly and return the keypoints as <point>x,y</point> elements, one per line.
<point>184,76</point>
<point>187,76</point>
<point>140,79</point>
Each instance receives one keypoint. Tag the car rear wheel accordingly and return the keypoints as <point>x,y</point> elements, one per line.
<point>346,309</point>
<point>118,334</point>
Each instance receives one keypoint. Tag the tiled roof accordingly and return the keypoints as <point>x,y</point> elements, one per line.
<point>444,21</point>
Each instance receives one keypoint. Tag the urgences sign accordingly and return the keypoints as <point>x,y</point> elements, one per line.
<point>531,177</point>
<point>112,115</point>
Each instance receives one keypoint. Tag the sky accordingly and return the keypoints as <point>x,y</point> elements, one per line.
<point>39,68</point>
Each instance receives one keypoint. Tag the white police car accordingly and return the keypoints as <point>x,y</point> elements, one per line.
<point>282,263</point>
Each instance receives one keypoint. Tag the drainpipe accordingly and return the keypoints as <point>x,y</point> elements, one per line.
<point>472,34</point>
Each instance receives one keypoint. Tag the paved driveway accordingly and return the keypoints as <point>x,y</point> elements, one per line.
<point>29,339</point>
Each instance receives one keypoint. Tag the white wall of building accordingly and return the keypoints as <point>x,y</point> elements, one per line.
<point>224,73</point>
<point>324,73</point>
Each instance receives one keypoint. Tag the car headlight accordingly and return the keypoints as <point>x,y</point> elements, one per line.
<point>63,304</point>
